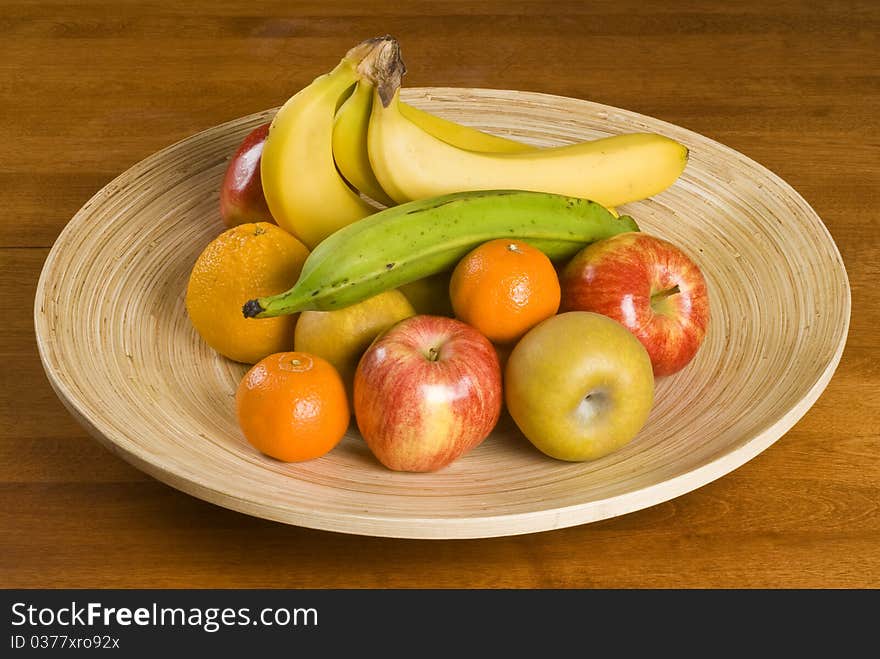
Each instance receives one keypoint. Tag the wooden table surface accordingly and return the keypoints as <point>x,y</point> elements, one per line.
<point>89,88</point>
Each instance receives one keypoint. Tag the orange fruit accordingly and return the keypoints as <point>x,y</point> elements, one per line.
<point>244,262</point>
<point>504,288</point>
<point>292,406</point>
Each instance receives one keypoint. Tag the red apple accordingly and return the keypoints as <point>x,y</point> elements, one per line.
<point>241,196</point>
<point>650,286</point>
<point>427,391</point>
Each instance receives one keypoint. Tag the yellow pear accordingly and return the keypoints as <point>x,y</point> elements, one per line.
<point>343,335</point>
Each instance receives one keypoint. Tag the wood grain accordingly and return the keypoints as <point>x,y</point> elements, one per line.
<point>787,85</point>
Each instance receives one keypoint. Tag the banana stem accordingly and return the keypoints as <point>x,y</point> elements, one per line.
<point>367,47</point>
<point>384,67</point>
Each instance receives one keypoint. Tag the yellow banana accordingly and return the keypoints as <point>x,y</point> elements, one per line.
<point>350,143</point>
<point>305,193</point>
<point>464,137</point>
<point>350,139</point>
<point>410,163</point>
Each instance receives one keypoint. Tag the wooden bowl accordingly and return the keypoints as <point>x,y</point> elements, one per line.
<point>121,354</point>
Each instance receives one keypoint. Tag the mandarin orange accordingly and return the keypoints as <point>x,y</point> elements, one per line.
<point>504,288</point>
<point>292,406</point>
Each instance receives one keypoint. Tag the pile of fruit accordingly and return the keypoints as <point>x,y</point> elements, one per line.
<point>384,263</point>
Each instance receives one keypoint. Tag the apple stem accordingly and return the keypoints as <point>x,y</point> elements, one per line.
<point>664,294</point>
<point>433,354</point>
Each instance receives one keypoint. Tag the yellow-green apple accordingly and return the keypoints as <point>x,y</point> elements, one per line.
<point>579,385</point>
<point>427,391</point>
<point>241,194</point>
<point>650,286</point>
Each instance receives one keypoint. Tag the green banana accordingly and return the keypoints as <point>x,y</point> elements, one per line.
<point>417,239</point>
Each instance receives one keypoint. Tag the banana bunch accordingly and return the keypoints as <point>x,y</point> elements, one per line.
<point>346,145</point>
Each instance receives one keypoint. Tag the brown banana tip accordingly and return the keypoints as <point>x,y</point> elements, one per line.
<point>252,309</point>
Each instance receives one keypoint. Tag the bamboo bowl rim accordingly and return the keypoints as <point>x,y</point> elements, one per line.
<point>70,339</point>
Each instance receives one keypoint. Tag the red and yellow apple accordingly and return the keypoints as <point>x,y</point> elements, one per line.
<point>426,392</point>
<point>650,286</point>
<point>579,385</point>
<point>241,195</point>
